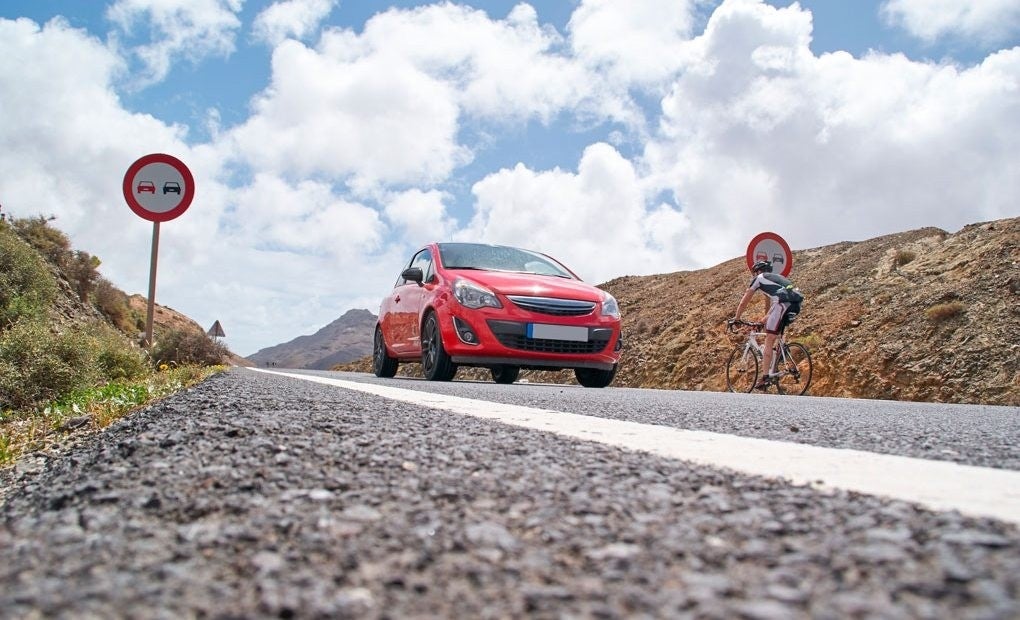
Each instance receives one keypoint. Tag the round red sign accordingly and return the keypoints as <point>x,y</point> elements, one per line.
<point>773,248</point>
<point>159,187</point>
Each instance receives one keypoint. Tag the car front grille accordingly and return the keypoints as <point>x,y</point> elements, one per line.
<point>553,306</point>
<point>512,335</point>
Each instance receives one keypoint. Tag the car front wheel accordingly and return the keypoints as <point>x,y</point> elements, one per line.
<point>382,363</point>
<point>505,374</point>
<point>436,364</point>
<point>595,377</point>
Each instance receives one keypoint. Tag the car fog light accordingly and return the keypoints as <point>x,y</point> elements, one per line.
<point>464,331</point>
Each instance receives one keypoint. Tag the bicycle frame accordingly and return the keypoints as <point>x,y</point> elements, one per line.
<point>743,367</point>
<point>781,353</point>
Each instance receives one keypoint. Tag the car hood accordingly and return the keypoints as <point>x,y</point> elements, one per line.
<point>532,285</point>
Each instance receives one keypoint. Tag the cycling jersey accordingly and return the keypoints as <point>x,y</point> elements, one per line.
<point>769,283</point>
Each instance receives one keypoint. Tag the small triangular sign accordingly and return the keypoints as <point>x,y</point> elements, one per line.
<point>216,331</point>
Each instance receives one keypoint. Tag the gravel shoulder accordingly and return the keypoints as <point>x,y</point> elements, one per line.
<point>258,495</point>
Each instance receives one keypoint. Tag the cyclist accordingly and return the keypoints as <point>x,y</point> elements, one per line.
<point>783,304</point>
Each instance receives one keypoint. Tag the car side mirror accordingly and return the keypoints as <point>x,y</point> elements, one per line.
<point>413,274</point>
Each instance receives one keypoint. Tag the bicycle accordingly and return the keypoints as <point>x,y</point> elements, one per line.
<point>793,361</point>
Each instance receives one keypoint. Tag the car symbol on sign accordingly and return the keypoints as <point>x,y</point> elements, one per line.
<point>778,258</point>
<point>760,256</point>
<point>172,186</point>
<point>146,186</point>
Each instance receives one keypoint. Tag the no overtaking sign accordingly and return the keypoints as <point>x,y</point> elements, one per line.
<point>159,187</point>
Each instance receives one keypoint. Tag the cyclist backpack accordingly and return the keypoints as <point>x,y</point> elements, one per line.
<point>788,293</point>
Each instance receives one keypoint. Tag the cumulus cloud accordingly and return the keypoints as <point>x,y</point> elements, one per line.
<point>594,220</point>
<point>761,134</point>
<point>193,29</point>
<point>291,18</point>
<point>421,216</point>
<point>987,21</point>
<point>639,41</point>
<point>376,120</point>
<point>303,218</point>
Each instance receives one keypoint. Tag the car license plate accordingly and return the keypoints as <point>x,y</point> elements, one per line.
<point>557,332</point>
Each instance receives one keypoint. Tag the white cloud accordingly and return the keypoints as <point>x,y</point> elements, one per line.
<point>594,220</point>
<point>370,120</point>
<point>761,134</point>
<point>305,218</point>
<point>291,18</point>
<point>72,143</point>
<point>496,68</point>
<point>193,29</point>
<point>988,21</point>
<point>421,216</point>
<point>639,41</point>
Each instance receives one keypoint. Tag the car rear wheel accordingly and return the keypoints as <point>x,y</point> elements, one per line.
<point>595,377</point>
<point>382,363</point>
<point>436,364</point>
<point>505,374</point>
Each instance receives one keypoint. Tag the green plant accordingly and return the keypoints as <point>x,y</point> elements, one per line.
<point>39,364</point>
<point>116,357</point>
<point>944,312</point>
<point>54,245</point>
<point>903,257</point>
<point>32,429</point>
<point>27,288</point>
<point>80,269</point>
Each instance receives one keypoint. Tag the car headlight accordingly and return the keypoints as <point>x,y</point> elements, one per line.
<point>610,307</point>
<point>470,295</point>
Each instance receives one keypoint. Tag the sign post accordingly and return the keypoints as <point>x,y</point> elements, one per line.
<point>773,248</point>
<point>158,188</point>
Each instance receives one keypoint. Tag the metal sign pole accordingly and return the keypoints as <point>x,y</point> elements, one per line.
<point>152,286</point>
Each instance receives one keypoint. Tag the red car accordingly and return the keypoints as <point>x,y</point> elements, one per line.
<point>497,307</point>
<point>146,186</point>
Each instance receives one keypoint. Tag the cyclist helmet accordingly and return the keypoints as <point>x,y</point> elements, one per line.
<point>762,265</point>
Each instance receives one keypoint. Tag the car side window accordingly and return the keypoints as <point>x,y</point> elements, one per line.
<point>422,260</point>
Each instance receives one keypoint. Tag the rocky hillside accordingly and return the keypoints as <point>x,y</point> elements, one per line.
<point>922,315</point>
<point>345,339</point>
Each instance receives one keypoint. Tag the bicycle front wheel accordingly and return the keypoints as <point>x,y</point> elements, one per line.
<point>794,370</point>
<point>742,369</point>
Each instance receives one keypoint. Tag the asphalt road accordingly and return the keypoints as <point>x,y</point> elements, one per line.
<point>257,495</point>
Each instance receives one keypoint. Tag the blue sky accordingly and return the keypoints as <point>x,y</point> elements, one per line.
<point>330,138</point>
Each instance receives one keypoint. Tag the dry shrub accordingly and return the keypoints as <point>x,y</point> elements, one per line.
<point>904,256</point>
<point>944,312</point>
<point>113,304</point>
<point>177,347</point>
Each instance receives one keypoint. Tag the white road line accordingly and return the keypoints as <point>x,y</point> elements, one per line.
<point>939,485</point>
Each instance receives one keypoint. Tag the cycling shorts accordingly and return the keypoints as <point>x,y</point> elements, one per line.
<point>774,320</point>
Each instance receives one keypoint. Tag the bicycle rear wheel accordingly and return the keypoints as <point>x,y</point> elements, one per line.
<point>742,369</point>
<point>795,369</point>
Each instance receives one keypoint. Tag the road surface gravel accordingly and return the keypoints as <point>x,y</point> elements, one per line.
<point>255,495</point>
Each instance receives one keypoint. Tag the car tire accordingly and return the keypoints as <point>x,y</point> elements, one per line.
<point>436,364</point>
<point>595,377</point>
<point>382,364</point>
<point>505,374</point>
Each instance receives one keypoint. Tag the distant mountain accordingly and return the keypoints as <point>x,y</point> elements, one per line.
<point>344,340</point>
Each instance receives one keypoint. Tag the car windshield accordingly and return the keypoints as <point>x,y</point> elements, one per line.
<point>499,258</point>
